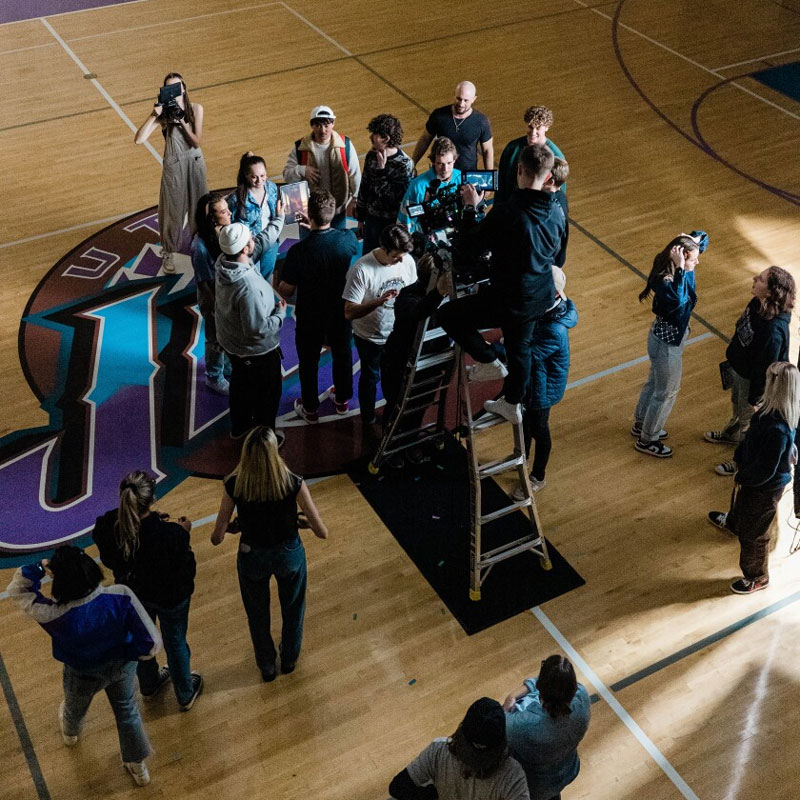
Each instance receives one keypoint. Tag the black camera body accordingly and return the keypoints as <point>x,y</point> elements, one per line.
<point>168,100</point>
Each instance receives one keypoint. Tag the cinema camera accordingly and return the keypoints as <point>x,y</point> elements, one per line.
<point>168,100</point>
<point>444,222</point>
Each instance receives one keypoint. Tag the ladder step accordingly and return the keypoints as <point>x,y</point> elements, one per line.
<point>502,512</point>
<point>433,333</point>
<point>500,465</point>
<point>487,421</point>
<point>511,549</point>
<point>434,358</point>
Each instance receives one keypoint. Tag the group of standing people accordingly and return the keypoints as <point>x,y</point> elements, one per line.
<point>765,395</point>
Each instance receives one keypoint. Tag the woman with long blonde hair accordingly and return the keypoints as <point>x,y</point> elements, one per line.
<point>764,460</point>
<point>153,556</point>
<point>266,494</point>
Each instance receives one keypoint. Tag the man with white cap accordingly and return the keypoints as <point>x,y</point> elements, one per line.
<point>326,160</point>
<point>249,323</point>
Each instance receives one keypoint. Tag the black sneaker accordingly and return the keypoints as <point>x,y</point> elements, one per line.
<point>163,680</point>
<point>655,449</point>
<point>719,519</point>
<point>197,690</point>
<point>744,586</point>
<point>727,468</point>
<point>287,668</point>
<point>268,675</point>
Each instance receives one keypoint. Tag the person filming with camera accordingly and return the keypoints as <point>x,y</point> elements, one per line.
<point>524,236</point>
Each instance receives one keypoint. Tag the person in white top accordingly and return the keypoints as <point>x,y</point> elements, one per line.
<point>326,160</point>
<point>372,284</point>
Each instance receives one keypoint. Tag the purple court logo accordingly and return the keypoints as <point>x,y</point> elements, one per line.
<point>113,347</point>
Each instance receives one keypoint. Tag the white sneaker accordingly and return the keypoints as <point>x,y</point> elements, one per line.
<point>167,264</point>
<point>519,493</point>
<point>492,371</point>
<point>138,771</point>
<point>220,386</point>
<point>511,411</point>
<point>69,741</point>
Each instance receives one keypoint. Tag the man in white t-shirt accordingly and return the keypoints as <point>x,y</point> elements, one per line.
<point>326,160</point>
<point>372,284</point>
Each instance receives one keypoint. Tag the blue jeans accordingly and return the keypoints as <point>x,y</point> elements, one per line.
<point>174,622</point>
<point>118,680</point>
<point>266,265</point>
<point>661,388</point>
<point>370,355</point>
<point>217,363</point>
<point>287,562</point>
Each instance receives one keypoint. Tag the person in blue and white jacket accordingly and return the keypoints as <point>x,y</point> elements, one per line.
<point>99,633</point>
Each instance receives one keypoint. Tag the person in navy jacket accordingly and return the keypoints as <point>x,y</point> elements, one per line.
<point>764,461</point>
<point>99,633</point>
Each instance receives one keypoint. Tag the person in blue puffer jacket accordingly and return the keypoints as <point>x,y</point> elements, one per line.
<point>549,370</point>
<point>672,283</point>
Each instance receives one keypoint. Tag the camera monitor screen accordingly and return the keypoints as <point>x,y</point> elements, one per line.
<point>483,179</point>
<point>171,92</point>
<point>416,211</point>
<point>295,200</point>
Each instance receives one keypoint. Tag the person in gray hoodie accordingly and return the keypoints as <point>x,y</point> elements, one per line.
<point>249,323</point>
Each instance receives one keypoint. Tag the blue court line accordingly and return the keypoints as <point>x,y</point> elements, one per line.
<point>626,364</point>
<point>603,246</point>
<point>705,642</point>
<point>22,732</point>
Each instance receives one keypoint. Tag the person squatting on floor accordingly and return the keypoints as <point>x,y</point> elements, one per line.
<point>473,763</point>
<point>100,633</point>
<point>152,556</point>
<point>266,496</point>
<point>546,719</point>
<point>761,338</point>
<point>672,283</point>
<point>764,459</point>
<point>183,177</point>
<point>314,272</point>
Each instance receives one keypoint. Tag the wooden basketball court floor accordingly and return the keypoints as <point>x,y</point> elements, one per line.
<point>665,131</point>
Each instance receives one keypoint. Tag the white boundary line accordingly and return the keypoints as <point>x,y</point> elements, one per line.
<point>615,706</point>
<point>318,30</point>
<point>66,230</point>
<point>172,22</point>
<point>761,58</point>
<point>109,99</point>
<point>25,49</point>
<point>690,61</point>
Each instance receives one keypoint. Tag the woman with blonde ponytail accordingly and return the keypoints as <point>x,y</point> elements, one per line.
<point>266,495</point>
<point>153,556</point>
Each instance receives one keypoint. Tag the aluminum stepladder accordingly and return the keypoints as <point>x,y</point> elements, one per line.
<point>481,562</point>
<point>426,382</point>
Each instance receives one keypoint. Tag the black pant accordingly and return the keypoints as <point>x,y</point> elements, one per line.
<point>536,428</point>
<point>370,354</point>
<point>462,318</point>
<point>750,518</point>
<point>255,392</point>
<point>309,340</point>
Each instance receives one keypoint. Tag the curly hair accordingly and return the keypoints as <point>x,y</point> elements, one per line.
<point>781,293</point>
<point>388,126</point>
<point>541,116</point>
<point>441,147</point>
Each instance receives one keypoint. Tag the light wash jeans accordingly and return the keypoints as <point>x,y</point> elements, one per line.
<point>174,622</point>
<point>118,678</point>
<point>742,413</point>
<point>661,388</point>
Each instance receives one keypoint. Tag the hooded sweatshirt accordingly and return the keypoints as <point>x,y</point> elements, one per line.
<point>248,321</point>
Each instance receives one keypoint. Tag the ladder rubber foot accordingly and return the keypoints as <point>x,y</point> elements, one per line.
<point>546,564</point>
<point>373,469</point>
<point>475,595</point>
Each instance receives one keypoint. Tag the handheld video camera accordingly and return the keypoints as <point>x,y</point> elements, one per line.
<point>168,100</point>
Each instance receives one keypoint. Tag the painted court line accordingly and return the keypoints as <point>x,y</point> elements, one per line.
<point>66,230</point>
<point>317,30</point>
<point>689,60</point>
<point>109,99</point>
<point>760,58</point>
<point>619,367</point>
<point>616,706</point>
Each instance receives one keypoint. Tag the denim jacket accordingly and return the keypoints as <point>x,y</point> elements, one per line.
<point>674,300</point>
<point>250,215</point>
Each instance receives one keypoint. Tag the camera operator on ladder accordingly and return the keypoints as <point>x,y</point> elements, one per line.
<point>424,187</point>
<point>524,235</point>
